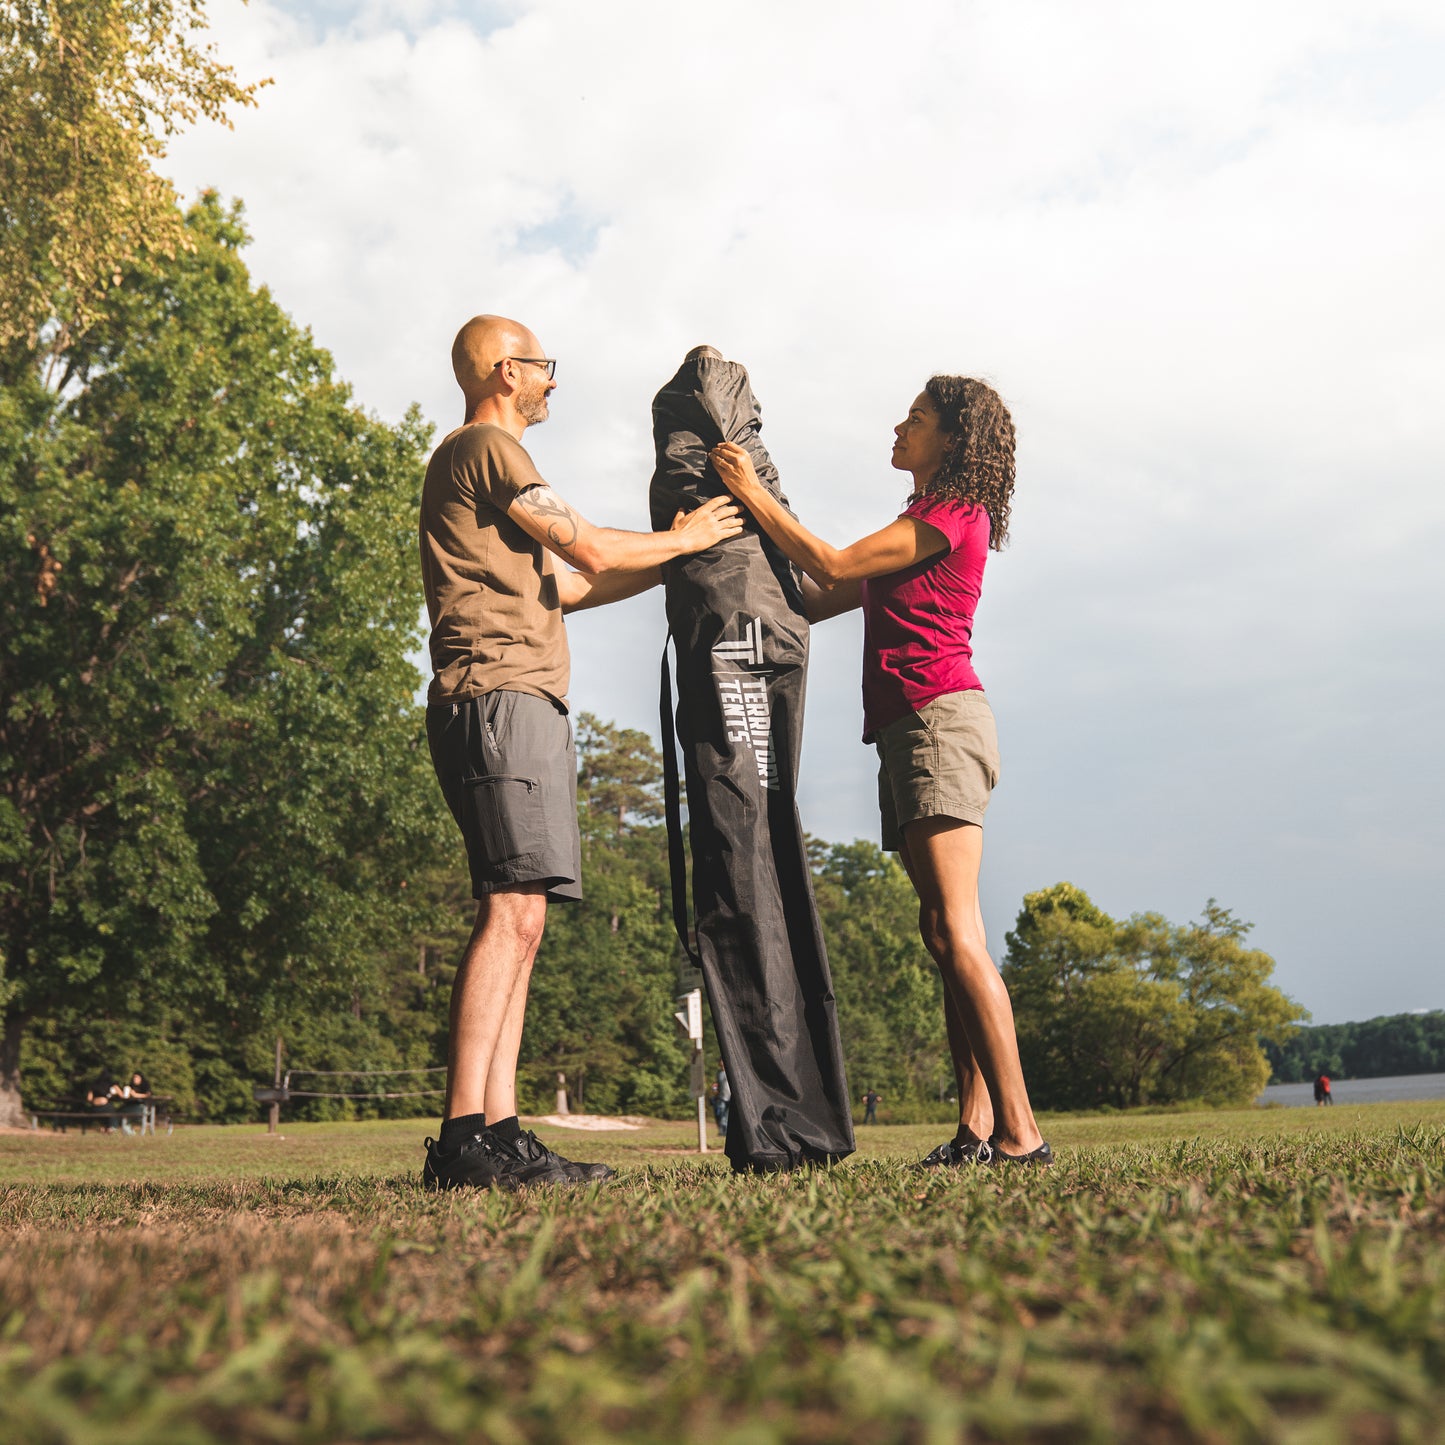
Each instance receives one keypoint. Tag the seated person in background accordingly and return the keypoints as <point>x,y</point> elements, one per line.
<point>102,1092</point>
<point>138,1088</point>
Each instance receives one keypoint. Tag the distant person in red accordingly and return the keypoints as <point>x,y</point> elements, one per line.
<point>1322,1090</point>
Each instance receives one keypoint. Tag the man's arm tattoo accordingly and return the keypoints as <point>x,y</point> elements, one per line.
<point>549,509</point>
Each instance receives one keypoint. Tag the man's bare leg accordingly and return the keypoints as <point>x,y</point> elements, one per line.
<point>502,1075</point>
<point>489,989</point>
<point>945,854</point>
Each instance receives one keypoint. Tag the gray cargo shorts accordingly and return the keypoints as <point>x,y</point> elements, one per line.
<point>508,770</point>
<point>939,762</point>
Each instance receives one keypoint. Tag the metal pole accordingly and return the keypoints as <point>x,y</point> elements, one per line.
<point>701,1104</point>
<point>689,1020</point>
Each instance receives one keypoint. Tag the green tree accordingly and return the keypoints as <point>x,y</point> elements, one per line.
<point>1141,1011</point>
<point>90,91</point>
<point>213,780</point>
<point>1233,1010</point>
<point>619,776</point>
<point>1060,945</point>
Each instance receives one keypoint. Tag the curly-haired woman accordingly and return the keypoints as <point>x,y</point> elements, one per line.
<point>918,583</point>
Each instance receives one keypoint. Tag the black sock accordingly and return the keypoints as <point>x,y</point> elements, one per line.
<point>456,1132</point>
<point>508,1129</point>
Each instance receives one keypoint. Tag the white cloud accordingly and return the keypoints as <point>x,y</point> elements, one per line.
<point>1196,250</point>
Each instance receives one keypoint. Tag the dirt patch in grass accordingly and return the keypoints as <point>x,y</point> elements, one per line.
<point>594,1123</point>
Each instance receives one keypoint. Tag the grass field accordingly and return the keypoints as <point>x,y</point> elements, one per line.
<point>1260,1275</point>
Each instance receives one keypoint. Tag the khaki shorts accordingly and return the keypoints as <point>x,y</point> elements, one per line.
<point>938,762</point>
<point>508,770</point>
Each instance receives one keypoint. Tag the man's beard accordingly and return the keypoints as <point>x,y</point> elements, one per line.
<point>532,403</point>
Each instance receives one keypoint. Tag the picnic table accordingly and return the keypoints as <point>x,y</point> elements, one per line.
<point>127,1115</point>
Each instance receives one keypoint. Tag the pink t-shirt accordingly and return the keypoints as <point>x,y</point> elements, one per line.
<point>918,623</point>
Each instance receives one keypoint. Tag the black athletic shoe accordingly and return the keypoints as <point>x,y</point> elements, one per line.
<point>526,1160</point>
<point>1041,1156</point>
<point>534,1149</point>
<point>588,1173</point>
<point>473,1166</point>
<point>954,1155</point>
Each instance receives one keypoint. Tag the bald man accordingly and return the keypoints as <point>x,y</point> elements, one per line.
<point>501,742</point>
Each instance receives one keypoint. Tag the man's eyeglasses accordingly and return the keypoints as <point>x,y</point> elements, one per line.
<point>549,366</point>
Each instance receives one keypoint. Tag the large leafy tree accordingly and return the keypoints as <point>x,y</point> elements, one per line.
<point>90,90</point>
<point>213,785</point>
<point>1141,1011</point>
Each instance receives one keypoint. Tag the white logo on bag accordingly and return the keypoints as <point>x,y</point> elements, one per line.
<point>750,649</point>
<point>747,713</point>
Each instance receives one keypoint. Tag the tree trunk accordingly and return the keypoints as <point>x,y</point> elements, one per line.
<point>12,1115</point>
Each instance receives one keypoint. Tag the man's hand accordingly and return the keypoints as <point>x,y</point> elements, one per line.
<point>735,467</point>
<point>705,526</point>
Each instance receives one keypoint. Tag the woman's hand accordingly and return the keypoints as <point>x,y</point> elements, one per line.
<point>735,467</point>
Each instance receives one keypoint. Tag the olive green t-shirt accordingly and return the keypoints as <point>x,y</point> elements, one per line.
<point>491,590</point>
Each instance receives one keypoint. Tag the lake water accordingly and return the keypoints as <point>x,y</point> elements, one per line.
<point>1405,1087</point>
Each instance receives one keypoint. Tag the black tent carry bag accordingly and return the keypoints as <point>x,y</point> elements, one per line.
<point>735,612</point>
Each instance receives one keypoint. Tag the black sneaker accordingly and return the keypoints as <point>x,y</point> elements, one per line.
<point>474,1165</point>
<point>1041,1156</point>
<point>526,1160</point>
<point>532,1148</point>
<point>954,1155</point>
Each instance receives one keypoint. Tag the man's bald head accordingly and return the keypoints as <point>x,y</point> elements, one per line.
<point>481,344</point>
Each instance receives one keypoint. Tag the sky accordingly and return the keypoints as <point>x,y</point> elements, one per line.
<point>1196,250</point>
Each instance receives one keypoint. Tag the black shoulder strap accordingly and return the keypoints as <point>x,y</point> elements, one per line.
<point>672,801</point>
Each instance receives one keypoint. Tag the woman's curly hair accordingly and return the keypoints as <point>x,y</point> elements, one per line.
<point>978,466</point>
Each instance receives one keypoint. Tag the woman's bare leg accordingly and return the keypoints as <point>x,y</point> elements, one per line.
<point>975,1108</point>
<point>944,856</point>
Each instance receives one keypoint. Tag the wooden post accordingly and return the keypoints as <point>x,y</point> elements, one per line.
<point>275,1118</point>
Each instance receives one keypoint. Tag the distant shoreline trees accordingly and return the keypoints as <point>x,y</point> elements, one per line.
<point>1375,1048</point>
